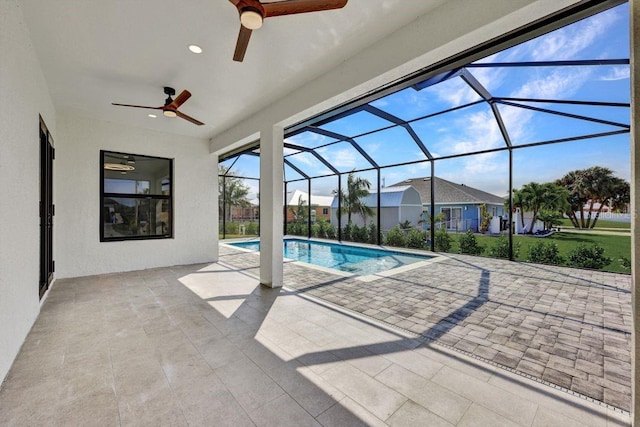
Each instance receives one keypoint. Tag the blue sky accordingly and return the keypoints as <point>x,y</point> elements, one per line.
<point>603,36</point>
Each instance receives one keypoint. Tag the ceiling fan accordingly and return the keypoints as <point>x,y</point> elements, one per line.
<point>170,107</point>
<point>253,12</point>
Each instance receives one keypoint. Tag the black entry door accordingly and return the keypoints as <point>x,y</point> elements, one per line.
<point>46,208</point>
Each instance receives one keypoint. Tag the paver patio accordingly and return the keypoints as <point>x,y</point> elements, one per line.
<point>563,326</point>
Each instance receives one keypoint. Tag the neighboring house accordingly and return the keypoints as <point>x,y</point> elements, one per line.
<point>248,214</point>
<point>397,204</point>
<point>459,203</point>
<point>320,205</point>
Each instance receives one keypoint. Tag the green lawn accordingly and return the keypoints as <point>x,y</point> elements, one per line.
<point>601,223</point>
<point>615,247</point>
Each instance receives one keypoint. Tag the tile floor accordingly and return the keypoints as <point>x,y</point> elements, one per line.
<point>207,345</point>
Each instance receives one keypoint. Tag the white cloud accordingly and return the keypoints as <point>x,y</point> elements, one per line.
<point>455,92</point>
<point>566,43</point>
<point>558,83</point>
<point>342,159</point>
<point>616,73</point>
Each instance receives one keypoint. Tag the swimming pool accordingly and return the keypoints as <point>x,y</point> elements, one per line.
<point>351,259</point>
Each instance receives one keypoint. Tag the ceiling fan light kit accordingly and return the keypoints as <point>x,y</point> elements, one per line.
<point>170,107</point>
<point>251,18</point>
<point>253,13</point>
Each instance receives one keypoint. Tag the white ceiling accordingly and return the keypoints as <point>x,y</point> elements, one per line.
<point>94,52</point>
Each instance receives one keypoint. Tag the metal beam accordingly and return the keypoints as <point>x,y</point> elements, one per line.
<point>324,162</point>
<point>475,85</point>
<point>295,168</point>
<point>418,141</point>
<point>432,206</point>
<point>309,209</point>
<point>296,147</point>
<point>378,211</point>
<point>572,116</point>
<point>339,213</point>
<point>348,139</point>
<point>564,101</point>
<point>438,78</point>
<point>398,121</point>
<point>501,125</point>
<point>579,62</point>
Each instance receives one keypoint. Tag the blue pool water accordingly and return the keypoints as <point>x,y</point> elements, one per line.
<point>351,259</point>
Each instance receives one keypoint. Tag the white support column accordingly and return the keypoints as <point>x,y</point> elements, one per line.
<point>634,10</point>
<point>216,212</point>
<point>271,206</point>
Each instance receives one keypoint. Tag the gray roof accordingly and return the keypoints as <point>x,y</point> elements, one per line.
<point>449,192</point>
<point>389,197</point>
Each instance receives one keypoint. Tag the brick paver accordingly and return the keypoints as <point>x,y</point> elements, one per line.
<point>566,326</point>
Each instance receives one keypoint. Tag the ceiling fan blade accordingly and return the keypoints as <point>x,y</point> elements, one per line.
<point>137,106</point>
<point>191,119</point>
<point>241,45</point>
<point>184,95</point>
<point>300,6</point>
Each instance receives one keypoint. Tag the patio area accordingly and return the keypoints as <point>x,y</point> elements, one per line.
<point>567,327</point>
<point>207,345</point>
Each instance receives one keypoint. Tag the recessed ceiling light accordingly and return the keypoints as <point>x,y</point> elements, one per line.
<point>153,116</point>
<point>195,48</point>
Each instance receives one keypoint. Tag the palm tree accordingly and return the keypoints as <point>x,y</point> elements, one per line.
<point>351,201</point>
<point>593,185</point>
<point>518,202</point>
<point>536,197</point>
<point>574,182</point>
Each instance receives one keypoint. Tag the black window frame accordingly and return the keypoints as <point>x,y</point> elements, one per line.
<point>104,195</point>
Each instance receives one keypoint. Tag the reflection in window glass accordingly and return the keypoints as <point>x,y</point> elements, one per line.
<point>129,186</point>
<point>126,217</point>
<point>136,197</point>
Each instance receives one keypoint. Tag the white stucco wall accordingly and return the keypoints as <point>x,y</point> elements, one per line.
<point>24,96</point>
<point>79,251</point>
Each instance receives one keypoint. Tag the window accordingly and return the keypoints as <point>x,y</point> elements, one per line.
<point>452,218</point>
<point>136,196</point>
<point>325,211</point>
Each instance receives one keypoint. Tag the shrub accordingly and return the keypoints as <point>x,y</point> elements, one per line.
<point>583,256</point>
<point>395,237</point>
<point>330,231</point>
<point>347,232</point>
<point>501,248</point>
<point>469,244</point>
<point>315,230</point>
<point>231,228</point>
<point>485,218</point>
<point>373,234</point>
<point>625,263</point>
<point>442,240</point>
<point>253,228</point>
<point>545,253</point>
<point>360,234</point>
<point>323,229</point>
<point>404,225</point>
<point>416,239</point>
<point>297,228</point>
